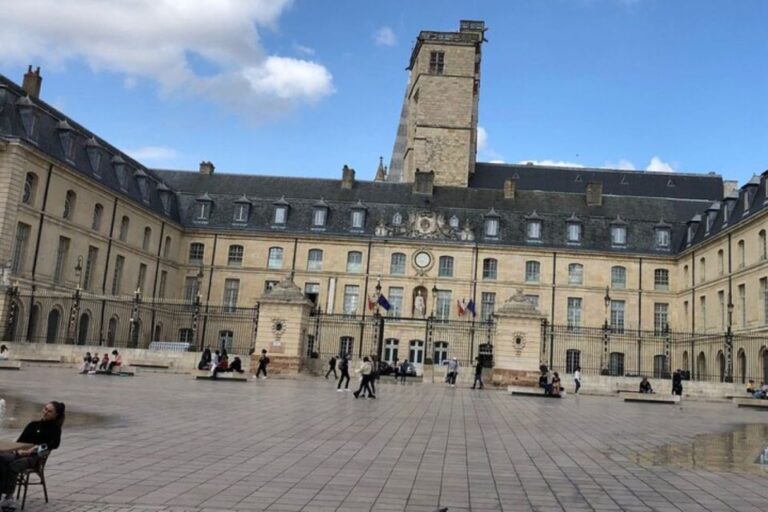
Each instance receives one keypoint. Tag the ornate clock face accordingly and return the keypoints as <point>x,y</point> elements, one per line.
<point>422,259</point>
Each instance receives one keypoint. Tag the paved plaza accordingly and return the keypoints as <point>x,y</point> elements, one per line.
<point>169,443</point>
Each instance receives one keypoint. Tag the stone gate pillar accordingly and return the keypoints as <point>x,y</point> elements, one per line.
<point>282,329</point>
<point>517,343</point>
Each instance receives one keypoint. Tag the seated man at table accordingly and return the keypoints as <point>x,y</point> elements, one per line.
<point>44,435</point>
<point>645,386</point>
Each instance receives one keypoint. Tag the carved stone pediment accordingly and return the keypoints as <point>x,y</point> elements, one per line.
<point>426,225</point>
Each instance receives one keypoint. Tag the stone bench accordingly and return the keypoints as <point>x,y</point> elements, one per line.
<point>151,364</point>
<point>10,365</point>
<point>121,371</point>
<point>757,403</point>
<point>634,396</point>
<point>41,359</point>
<point>730,396</point>
<point>531,391</point>
<point>223,376</point>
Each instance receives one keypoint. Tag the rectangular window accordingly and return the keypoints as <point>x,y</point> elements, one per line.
<point>280,215</point>
<point>764,298</point>
<point>445,267</point>
<point>443,304</point>
<point>190,289</point>
<point>312,292</point>
<point>575,273</point>
<point>395,299</point>
<point>358,219</point>
<point>351,298</point>
<point>117,276</point>
<point>315,259</point>
<point>20,249</point>
<point>275,258</point>
<point>61,259</point>
<point>660,319</point>
<point>186,335</point>
<point>618,235</point>
<point>618,278</point>
<point>720,263</point>
<point>354,261</point>
<point>231,291</point>
<point>142,277</point>
<point>492,228</point>
<point>397,264</point>
<point>532,271</point>
<point>196,253</point>
<point>489,268</point>
<point>241,212</point>
<point>90,265</point>
<point>163,284</point>
<point>235,255</point>
<point>686,314</point>
<point>533,230</point>
<point>743,304</point>
<point>318,217</point>
<point>661,279</point>
<point>487,305</point>
<point>574,313</point>
<point>617,316</point>
<point>703,311</point>
<point>721,308</point>
<point>662,238</point>
<point>574,232</point>
<point>436,63</point>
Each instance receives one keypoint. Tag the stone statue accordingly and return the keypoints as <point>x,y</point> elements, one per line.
<point>418,305</point>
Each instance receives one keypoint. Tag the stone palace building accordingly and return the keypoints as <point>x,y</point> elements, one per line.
<point>439,235</point>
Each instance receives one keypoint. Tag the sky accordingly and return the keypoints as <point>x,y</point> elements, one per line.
<point>303,87</point>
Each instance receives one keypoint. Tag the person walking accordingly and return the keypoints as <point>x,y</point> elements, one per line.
<point>344,369</point>
<point>332,368</point>
<point>577,379</point>
<point>478,373</point>
<point>677,383</point>
<point>453,371</point>
<point>374,374</point>
<point>403,371</point>
<point>263,362</point>
<point>365,373</point>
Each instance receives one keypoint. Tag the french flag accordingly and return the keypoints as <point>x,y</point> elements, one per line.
<point>461,306</point>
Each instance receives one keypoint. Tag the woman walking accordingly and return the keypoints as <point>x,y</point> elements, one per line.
<point>365,372</point>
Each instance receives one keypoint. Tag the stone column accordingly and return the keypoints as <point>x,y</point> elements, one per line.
<point>282,329</point>
<point>517,346</point>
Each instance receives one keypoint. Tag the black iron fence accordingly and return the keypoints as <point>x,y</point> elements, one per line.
<point>721,357</point>
<point>423,341</point>
<point>130,322</point>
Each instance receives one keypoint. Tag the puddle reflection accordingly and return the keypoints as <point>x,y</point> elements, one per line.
<point>734,451</point>
<point>17,413</point>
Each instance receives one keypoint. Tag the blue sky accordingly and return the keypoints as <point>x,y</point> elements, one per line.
<point>300,88</point>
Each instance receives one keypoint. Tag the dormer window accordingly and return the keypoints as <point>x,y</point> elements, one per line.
<point>281,215</point>
<point>203,208</point>
<point>491,225</point>
<point>747,197</point>
<point>93,150</point>
<point>573,232</point>
<point>358,219</point>
<point>121,171</point>
<point>618,235</point>
<point>454,222</point>
<point>397,219</point>
<point>691,233</point>
<point>143,182</point>
<point>662,238</point>
<point>533,230</point>
<point>318,217</point>
<point>28,114</point>
<point>242,210</point>
<point>165,197</point>
<point>67,139</point>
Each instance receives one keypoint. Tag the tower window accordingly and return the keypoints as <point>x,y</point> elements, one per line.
<point>436,63</point>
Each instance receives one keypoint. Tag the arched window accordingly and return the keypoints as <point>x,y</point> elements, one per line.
<point>147,238</point>
<point>686,363</point>
<point>741,366</point>
<point>98,213</point>
<point>112,331</point>
<point>618,277</point>
<point>761,245</point>
<point>445,266</point>
<point>196,253</point>
<point>135,333</point>
<point>416,351</point>
<point>33,323</point>
<point>315,259</point>
<point>124,225</point>
<point>167,248</point>
<point>572,360</point>
<point>701,367</point>
<point>354,261</point>
<point>490,268</point>
<point>52,331</point>
<point>157,336</point>
<point>659,366</point>
<point>83,328</point>
<point>740,254</point>
<point>69,204</point>
<point>721,366</point>
<point>720,263</point>
<point>397,264</point>
<point>275,258</point>
<point>575,273</point>
<point>235,255</point>
<point>702,270</point>
<point>30,187</point>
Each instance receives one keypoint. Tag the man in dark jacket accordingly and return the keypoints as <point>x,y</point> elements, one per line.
<point>332,368</point>
<point>677,383</point>
<point>344,369</point>
<point>478,373</point>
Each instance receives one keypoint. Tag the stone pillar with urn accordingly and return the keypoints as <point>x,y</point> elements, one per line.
<point>283,325</point>
<point>517,343</point>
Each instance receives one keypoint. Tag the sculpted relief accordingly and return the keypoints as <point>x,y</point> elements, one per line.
<point>425,225</point>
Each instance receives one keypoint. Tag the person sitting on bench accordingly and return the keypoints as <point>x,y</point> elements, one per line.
<point>5,354</point>
<point>645,386</point>
<point>223,366</point>
<point>86,366</point>
<point>556,389</point>
<point>104,362</point>
<point>236,366</point>
<point>116,362</point>
<point>205,360</point>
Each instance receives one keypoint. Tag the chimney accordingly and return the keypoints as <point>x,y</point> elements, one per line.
<point>729,186</point>
<point>595,193</point>
<point>32,81</point>
<point>510,188</point>
<point>423,182</point>
<point>347,177</point>
<point>207,168</point>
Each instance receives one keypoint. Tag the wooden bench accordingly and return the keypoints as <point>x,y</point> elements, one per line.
<point>151,364</point>
<point>757,403</point>
<point>223,376</point>
<point>40,359</point>
<point>633,396</point>
<point>531,391</point>
<point>10,365</point>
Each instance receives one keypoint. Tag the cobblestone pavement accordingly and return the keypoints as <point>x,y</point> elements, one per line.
<point>173,444</point>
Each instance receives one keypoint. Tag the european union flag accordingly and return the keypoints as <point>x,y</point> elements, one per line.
<point>383,302</point>
<point>471,307</point>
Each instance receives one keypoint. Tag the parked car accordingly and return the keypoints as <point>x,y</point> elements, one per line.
<point>385,368</point>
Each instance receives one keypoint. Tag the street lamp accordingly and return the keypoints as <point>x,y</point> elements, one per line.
<point>434,299</point>
<point>728,377</point>
<point>79,270</point>
<point>606,339</point>
<point>378,294</point>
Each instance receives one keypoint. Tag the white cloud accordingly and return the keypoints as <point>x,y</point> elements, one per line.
<point>384,37</point>
<point>152,153</point>
<point>168,42</point>
<point>482,139</point>
<point>550,163</point>
<point>304,50</point>
<point>623,164</point>
<point>658,165</point>
<point>497,162</point>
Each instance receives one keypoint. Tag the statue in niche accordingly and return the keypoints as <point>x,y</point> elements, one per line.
<point>419,308</point>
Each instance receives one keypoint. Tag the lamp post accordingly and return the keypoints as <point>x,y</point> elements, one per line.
<point>196,315</point>
<point>74,312</point>
<point>378,294</point>
<point>667,352</point>
<point>134,320</point>
<point>606,337</point>
<point>728,377</point>
<point>13,311</point>
<point>434,299</point>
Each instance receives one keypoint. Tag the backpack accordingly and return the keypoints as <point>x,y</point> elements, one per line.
<point>266,360</point>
